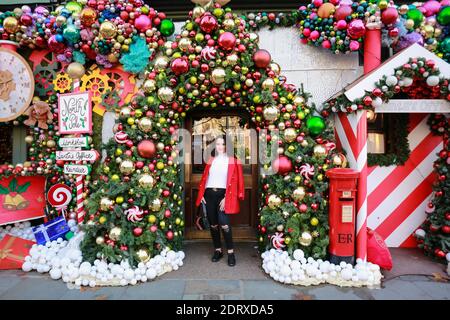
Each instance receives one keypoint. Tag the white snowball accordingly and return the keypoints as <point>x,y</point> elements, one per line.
<point>55,273</point>
<point>65,261</point>
<point>342,264</point>
<point>71,223</point>
<point>271,265</point>
<point>295,265</point>
<point>355,278</point>
<point>181,255</point>
<point>92,283</point>
<point>40,268</point>
<point>175,267</point>
<point>171,255</point>
<point>303,261</point>
<point>359,261</point>
<point>85,268</point>
<point>285,270</point>
<point>123,282</point>
<point>324,267</point>
<point>362,275</point>
<point>310,260</point>
<point>27,266</point>
<point>151,274</point>
<point>133,282</point>
<point>346,274</point>
<point>78,282</point>
<point>144,279</point>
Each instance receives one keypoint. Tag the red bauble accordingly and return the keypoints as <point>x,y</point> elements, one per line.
<point>439,253</point>
<point>447,216</point>
<point>367,100</point>
<point>169,235</point>
<point>356,29</point>
<point>342,12</point>
<point>303,207</point>
<point>443,154</point>
<point>153,228</point>
<point>208,23</point>
<point>282,165</point>
<point>262,58</point>
<point>180,66</point>
<point>142,23</point>
<point>227,41</point>
<point>146,149</point>
<point>137,231</point>
<point>167,213</point>
<point>314,206</point>
<point>446,229</point>
<point>166,193</point>
<point>389,15</point>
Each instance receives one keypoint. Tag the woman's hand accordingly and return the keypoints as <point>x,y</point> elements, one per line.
<point>222,205</point>
<point>203,200</point>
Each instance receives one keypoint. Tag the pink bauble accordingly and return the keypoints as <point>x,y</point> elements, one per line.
<point>282,165</point>
<point>354,45</point>
<point>306,32</point>
<point>389,15</point>
<point>445,3</point>
<point>262,58</point>
<point>317,3</point>
<point>314,35</point>
<point>342,12</point>
<point>326,44</point>
<point>356,29</point>
<point>179,66</point>
<point>143,23</point>
<point>341,24</point>
<point>208,23</point>
<point>146,149</point>
<point>431,7</point>
<point>227,41</point>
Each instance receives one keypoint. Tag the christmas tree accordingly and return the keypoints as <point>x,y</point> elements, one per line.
<point>434,234</point>
<point>136,206</point>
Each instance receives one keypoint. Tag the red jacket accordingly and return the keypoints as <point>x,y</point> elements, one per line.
<point>235,185</point>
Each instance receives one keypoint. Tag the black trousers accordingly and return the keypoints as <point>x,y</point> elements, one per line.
<point>218,218</point>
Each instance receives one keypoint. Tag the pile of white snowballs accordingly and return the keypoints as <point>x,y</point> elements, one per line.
<point>19,229</point>
<point>308,271</point>
<point>64,261</point>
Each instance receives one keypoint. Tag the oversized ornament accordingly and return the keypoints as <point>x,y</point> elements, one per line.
<point>443,16</point>
<point>142,23</point>
<point>108,29</point>
<point>167,27</point>
<point>227,40</point>
<point>143,255</point>
<point>208,23</point>
<point>270,113</point>
<point>319,151</point>
<point>11,25</point>
<point>75,70</point>
<point>315,125</point>
<point>342,12</point>
<point>146,181</point>
<point>305,239</point>
<point>134,214</point>
<point>106,204</point>
<point>356,29</point>
<point>274,201</point>
<point>278,240</point>
<point>59,196</point>
<point>126,167</point>
<point>145,124</point>
<point>208,53</point>
<point>415,15</point>
<point>121,137</point>
<point>146,149</point>
<point>282,165</point>
<point>180,66</point>
<point>218,76</point>
<point>114,233</point>
<point>298,194</point>
<point>307,171</point>
<point>326,10</point>
<point>262,58</point>
<point>88,16</point>
<point>166,94</point>
<point>389,16</point>
<point>155,205</point>
<point>290,134</point>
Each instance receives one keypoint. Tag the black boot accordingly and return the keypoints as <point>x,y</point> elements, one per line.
<point>217,256</point>
<point>231,259</point>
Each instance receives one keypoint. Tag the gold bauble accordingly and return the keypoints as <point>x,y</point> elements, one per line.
<point>409,24</point>
<point>228,24</point>
<point>165,94</point>
<point>429,31</point>
<point>145,124</point>
<point>149,85</point>
<point>290,134</point>
<point>197,12</point>
<point>161,63</point>
<point>115,233</point>
<point>156,205</point>
<point>184,44</point>
<point>280,228</point>
<point>270,113</point>
<point>299,194</point>
<point>105,204</point>
<point>100,240</point>
<point>11,25</point>
<point>305,239</point>
<point>126,167</point>
<point>146,181</point>
<point>75,70</point>
<point>275,67</point>
<point>232,59</point>
<point>143,255</point>
<point>298,100</point>
<point>274,201</point>
<point>218,76</point>
<point>320,151</point>
<point>29,139</point>
<point>108,29</point>
<point>51,143</point>
<point>160,146</point>
<point>125,112</point>
<point>304,143</point>
<point>337,161</point>
<point>268,84</point>
<point>253,37</point>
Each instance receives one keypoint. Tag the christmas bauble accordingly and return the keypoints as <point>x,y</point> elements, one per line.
<point>415,15</point>
<point>146,149</point>
<point>115,233</point>
<point>275,67</point>
<point>165,94</point>
<point>161,63</point>
<point>88,16</point>
<point>149,85</point>
<point>342,12</point>
<point>290,134</point>
<point>179,66</point>
<point>106,204</point>
<point>305,239</point>
<point>155,205</point>
<point>146,181</point>
<point>274,201</point>
<point>143,255</point>
<point>270,113</point>
<point>142,23</point>
<point>356,29</point>
<point>326,10</point>
<point>125,112</point>
<point>227,41</point>
<point>218,76</point>
<point>208,23</point>
<point>145,124</point>
<point>167,28</point>
<point>443,16</point>
<point>126,167</point>
<point>298,194</point>
<point>198,12</point>
<point>282,165</point>
<point>10,24</point>
<point>314,221</point>
<point>262,58</point>
<point>108,29</point>
<point>389,15</point>
<point>268,84</point>
<point>99,240</point>
<point>315,125</point>
<point>75,70</point>
<point>320,151</point>
<point>184,44</point>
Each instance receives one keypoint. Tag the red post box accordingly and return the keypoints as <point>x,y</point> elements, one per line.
<point>342,215</point>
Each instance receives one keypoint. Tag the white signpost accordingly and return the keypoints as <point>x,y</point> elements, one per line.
<point>77,169</point>
<point>69,143</point>
<point>77,155</point>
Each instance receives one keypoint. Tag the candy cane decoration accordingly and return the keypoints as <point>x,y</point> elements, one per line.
<point>134,214</point>
<point>59,196</point>
<point>277,240</point>
<point>330,146</point>
<point>307,171</point>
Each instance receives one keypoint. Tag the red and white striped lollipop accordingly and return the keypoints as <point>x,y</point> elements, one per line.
<point>121,137</point>
<point>59,196</point>
<point>134,214</point>
<point>277,240</point>
<point>208,53</point>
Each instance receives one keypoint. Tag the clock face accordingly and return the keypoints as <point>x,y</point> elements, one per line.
<point>16,85</point>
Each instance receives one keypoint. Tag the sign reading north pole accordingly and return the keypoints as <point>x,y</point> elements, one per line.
<point>75,113</point>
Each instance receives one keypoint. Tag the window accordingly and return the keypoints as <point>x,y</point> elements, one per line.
<point>12,144</point>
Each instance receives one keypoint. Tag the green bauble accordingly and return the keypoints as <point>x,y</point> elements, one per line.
<point>74,7</point>
<point>445,45</point>
<point>71,33</point>
<point>443,16</point>
<point>167,28</point>
<point>415,15</point>
<point>315,125</point>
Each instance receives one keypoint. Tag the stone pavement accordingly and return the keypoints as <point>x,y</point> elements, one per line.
<point>201,279</point>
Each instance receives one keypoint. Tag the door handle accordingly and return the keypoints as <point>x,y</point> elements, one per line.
<point>188,198</point>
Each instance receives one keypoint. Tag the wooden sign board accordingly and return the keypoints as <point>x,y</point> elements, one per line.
<point>73,142</point>
<point>77,155</point>
<point>75,113</point>
<point>77,169</point>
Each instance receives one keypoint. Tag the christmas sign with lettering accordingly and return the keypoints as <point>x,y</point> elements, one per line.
<point>75,113</point>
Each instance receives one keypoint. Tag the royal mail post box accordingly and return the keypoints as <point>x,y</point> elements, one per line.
<point>342,214</point>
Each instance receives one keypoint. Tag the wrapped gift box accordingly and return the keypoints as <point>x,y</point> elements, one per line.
<point>13,252</point>
<point>51,230</point>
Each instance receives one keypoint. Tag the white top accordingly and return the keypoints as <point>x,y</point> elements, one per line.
<point>218,172</point>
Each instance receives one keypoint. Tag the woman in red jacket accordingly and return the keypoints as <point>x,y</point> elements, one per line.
<point>221,188</point>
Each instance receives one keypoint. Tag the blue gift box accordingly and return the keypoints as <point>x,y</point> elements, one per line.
<point>51,230</point>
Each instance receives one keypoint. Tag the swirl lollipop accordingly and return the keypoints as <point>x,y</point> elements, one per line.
<point>121,137</point>
<point>134,214</point>
<point>277,240</point>
<point>307,171</point>
<point>208,53</point>
<point>59,196</point>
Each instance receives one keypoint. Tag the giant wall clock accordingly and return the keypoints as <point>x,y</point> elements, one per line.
<point>16,83</point>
